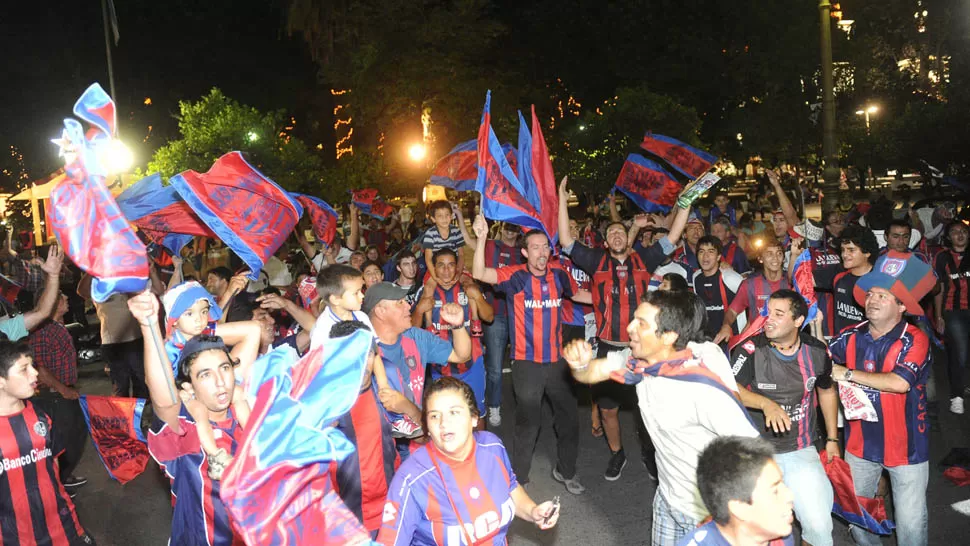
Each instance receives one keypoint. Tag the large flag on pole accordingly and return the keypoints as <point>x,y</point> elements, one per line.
<point>502,195</point>
<point>459,169</point>
<point>363,199</point>
<point>161,213</point>
<point>115,426</point>
<point>648,184</point>
<point>686,159</point>
<point>536,175</point>
<point>322,217</point>
<point>246,210</point>
<point>84,216</point>
<point>278,488</point>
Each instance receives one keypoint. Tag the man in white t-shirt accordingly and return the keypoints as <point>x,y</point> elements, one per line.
<point>687,397</point>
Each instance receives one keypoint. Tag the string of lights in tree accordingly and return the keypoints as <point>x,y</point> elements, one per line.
<point>343,143</point>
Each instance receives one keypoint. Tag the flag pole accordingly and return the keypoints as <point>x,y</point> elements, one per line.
<point>107,51</point>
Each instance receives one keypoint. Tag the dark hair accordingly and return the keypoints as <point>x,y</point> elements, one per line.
<point>367,263</point>
<point>10,352</point>
<point>614,223</point>
<point>403,257</point>
<point>439,204</point>
<point>769,240</point>
<point>330,280</point>
<point>530,233</point>
<point>863,238</point>
<point>443,252</point>
<point>222,272</point>
<point>184,370</point>
<point>899,222</point>
<point>711,240</point>
<point>677,282</point>
<point>799,308</point>
<point>346,327</point>
<point>448,383</point>
<point>660,229</point>
<point>682,313</point>
<point>728,470</point>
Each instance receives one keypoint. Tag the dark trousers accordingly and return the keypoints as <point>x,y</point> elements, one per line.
<point>69,428</point>
<point>530,382</point>
<point>126,364</point>
<point>956,330</point>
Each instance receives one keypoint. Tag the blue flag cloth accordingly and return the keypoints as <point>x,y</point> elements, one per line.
<point>84,216</point>
<point>459,169</point>
<point>686,159</point>
<point>245,209</point>
<point>804,283</point>
<point>161,213</point>
<point>502,195</point>
<point>648,184</point>
<point>536,176</point>
<point>278,488</point>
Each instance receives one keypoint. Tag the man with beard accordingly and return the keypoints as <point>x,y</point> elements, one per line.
<point>620,278</point>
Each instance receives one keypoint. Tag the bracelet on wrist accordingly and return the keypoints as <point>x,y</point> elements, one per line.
<point>827,440</point>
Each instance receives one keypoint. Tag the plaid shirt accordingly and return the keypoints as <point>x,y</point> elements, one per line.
<point>53,349</point>
<point>28,275</point>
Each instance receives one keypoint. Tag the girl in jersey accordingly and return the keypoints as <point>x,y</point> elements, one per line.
<point>459,488</point>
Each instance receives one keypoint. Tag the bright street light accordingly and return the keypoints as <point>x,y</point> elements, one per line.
<point>872,109</point>
<point>117,157</point>
<point>417,152</point>
<point>253,136</point>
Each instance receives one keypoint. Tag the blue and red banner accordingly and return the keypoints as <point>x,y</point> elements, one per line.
<point>84,216</point>
<point>502,195</point>
<point>161,214</point>
<point>363,199</point>
<point>459,169</point>
<point>804,283</point>
<point>115,426</point>
<point>278,488</point>
<point>647,184</point>
<point>868,513</point>
<point>536,175</point>
<point>247,211</point>
<point>686,159</point>
<point>380,210</point>
<point>322,217</point>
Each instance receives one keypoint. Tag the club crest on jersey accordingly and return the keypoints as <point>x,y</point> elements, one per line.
<point>545,289</point>
<point>869,365</point>
<point>462,299</point>
<point>893,266</point>
<point>411,362</point>
<point>810,384</point>
<point>40,428</point>
<point>390,512</point>
<point>748,346</point>
<point>474,493</point>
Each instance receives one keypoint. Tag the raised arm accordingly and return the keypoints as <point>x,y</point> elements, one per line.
<point>353,242</point>
<point>614,213</point>
<point>791,215</point>
<point>304,318</point>
<point>470,239</point>
<point>487,275</point>
<point>678,224</point>
<point>158,370</point>
<point>453,314</point>
<point>565,238</point>
<point>48,298</point>
<point>177,276</point>
<point>243,337</point>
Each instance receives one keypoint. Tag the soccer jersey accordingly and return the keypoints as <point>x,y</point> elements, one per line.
<point>789,381</point>
<point>901,435</point>
<point>363,477</point>
<point>754,292</point>
<point>848,312</point>
<point>499,255</point>
<point>432,239</point>
<point>436,501</point>
<point>735,257</point>
<point>34,507</point>
<point>405,361</point>
<point>535,310</point>
<point>826,264</point>
<point>574,313</point>
<point>953,270</point>
<point>472,371</point>
<point>617,285</point>
<point>716,292</point>
<point>199,518</point>
<point>709,535</point>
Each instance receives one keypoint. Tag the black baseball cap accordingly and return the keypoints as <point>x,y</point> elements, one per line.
<point>380,292</point>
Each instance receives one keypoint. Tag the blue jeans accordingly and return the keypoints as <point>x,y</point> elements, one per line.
<point>956,331</point>
<point>803,473</point>
<point>909,499</point>
<point>496,337</point>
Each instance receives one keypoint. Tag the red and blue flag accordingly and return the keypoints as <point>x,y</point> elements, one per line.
<point>686,159</point>
<point>161,214</point>
<point>459,169</point>
<point>803,281</point>
<point>380,209</point>
<point>115,426</point>
<point>84,216</point>
<point>536,175</point>
<point>363,199</point>
<point>278,489</point>
<point>242,207</point>
<point>322,217</point>
<point>503,197</point>
<point>865,512</point>
<point>648,184</point>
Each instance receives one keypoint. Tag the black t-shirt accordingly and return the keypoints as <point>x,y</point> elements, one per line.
<point>789,381</point>
<point>717,296</point>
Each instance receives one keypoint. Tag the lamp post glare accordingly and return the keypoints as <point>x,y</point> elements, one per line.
<point>867,111</point>
<point>118,157</point>
<point>417,152</point>
<point>253,136</point>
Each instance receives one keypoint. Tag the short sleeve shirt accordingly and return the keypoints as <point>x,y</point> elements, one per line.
<point>14,327</point>
<point>432,240</point>
<point>535,310</point>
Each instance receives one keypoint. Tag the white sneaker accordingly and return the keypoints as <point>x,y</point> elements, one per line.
<point>956,405</point>
<point>406,428</point>
<point>495,417</point>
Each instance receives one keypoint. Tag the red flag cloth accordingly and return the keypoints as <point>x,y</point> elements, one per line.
<point>686,159</point>
<point>363,198</point>
<point>380,210</point>
<point>115,426</point>
<point>861,511</point>
<point>545,181</point>
<point>959,476</point>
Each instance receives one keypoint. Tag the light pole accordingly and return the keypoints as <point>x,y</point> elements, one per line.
<point>830,160</point>
<point>867,111</point>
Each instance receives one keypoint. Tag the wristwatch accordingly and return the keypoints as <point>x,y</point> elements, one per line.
<point>848,375</point>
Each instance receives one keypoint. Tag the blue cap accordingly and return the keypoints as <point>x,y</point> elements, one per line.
<point>177,300</point>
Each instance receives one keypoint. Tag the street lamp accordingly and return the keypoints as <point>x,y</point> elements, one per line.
<point>253,136</point>
<point>117,157</point>
<point>867,111</point>
<point>417,152</point>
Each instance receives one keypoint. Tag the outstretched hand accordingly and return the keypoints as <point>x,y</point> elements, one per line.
<point>578,354</point>
<point>480,227</point>
<point>55,258</point>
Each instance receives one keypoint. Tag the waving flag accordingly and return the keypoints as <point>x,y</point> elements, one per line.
<point>647,184</point>
<point>536,175</point>
<point>83,216</point>
<point>870,514</point>
<point>246,210</point>
<point>278,488</point>
<point>804,283</point>
<point>363,199</point>
<point>502,195</point>
<point>459,169</point>
<point>161,214</point>
<point>686,159</point>
<point>322,217</point>
<point>380,210</point>
<point>115,426</point>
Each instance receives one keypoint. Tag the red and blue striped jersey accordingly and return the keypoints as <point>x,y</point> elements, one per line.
<point>497,256</point>
<point>199,518</point>
<point>575,313</point>
<point>953,270</point>
<point>34,507</point>
<point>535,305</point>
<point>435,501</point>
<point>453,295</point>
<point>754,292</point>
<point>901,436</point>
<point>363,477</point>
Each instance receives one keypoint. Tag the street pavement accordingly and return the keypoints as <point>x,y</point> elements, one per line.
<point>608,513</point>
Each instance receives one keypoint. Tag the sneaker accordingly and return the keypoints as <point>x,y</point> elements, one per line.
<point>495,417</point>
<point>650,463</point>
<point>406,428</point>
<point>72,493</point>
<point>615,467</point>
<point>572,484</point>
<point>956,405</point>
<point>74,481</point>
